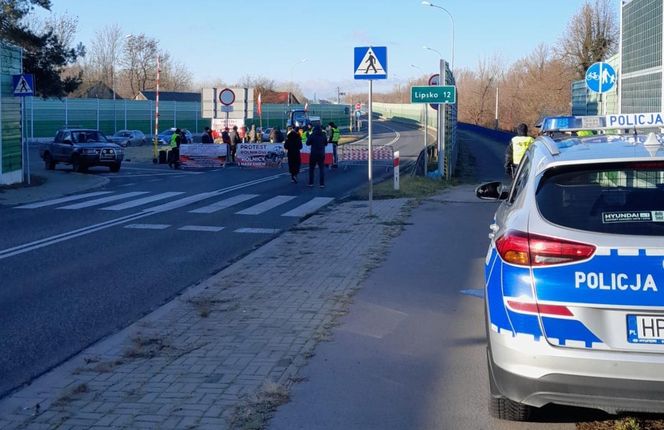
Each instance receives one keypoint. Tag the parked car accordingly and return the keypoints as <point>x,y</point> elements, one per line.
<point>574,274</point>
<point>126,138</point>
<point>82,148</point>
<point>164,138</point>
<point>265,134</point>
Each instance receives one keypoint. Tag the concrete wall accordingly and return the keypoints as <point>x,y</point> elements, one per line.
<point>11,166</point>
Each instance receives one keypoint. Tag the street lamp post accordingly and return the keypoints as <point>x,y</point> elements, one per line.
<point>426,3</point>
<point>441,115</point>
<point>442,109</point>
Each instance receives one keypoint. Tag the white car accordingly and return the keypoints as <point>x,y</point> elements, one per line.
<point>574,293</point>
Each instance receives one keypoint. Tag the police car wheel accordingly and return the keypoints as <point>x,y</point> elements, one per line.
<point>506,409</point>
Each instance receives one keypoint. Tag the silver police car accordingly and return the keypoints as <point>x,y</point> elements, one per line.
<point>574,293</point>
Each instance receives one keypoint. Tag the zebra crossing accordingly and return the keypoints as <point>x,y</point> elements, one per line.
<point>202,203</point>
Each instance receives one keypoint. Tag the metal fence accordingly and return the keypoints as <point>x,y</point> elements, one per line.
<point>45,117</point>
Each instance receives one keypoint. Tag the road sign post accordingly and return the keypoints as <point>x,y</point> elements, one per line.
<point>601,78</point>
<point>23,86</point>
<point>370,63</point>
<point>436,95</point>
<point>433,94</point>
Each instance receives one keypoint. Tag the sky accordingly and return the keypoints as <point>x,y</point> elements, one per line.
<point>229,39</point>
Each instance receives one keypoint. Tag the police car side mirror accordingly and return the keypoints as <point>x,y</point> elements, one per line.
<point>67,140</point>
<point>491,191</point>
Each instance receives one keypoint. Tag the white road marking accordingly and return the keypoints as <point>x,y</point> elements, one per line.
<point>208,228</point>
<point>148,226</point>
<point>309,207</point>
<point>102,200</point>
<point>144,200</point>
<point>266,205</point>
<point>258,230</point>
<point>223,204</point>
<point>52,240</point>
<point>62,200</point>
<point>182,202</point>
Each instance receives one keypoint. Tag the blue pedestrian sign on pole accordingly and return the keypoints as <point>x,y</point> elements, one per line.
<point>23,85</point>
<point>370,62</point>
<point>601,77</point>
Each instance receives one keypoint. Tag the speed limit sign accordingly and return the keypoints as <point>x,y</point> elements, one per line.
<point>226,97</point>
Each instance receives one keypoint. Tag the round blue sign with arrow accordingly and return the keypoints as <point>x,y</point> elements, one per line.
<point>601,77</point>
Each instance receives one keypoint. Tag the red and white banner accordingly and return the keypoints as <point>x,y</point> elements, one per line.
<point>203,155</point>
<point>306,153</point>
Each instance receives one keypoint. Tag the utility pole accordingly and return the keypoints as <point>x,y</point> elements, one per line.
<point>339,94</point>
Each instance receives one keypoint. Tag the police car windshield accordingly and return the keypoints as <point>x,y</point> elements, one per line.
<point>617,198</point>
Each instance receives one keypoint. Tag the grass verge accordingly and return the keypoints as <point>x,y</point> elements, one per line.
<point>416,187</point>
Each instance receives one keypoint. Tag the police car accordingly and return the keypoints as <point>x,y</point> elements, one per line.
<point>574,293</point>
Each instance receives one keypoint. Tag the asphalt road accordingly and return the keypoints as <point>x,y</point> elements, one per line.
<point>75,271</point>
<point>411,352</point>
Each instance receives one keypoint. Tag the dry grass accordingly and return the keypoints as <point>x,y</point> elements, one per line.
<point>71,394</point>
<point>256,411</point>
<point>409,187</point>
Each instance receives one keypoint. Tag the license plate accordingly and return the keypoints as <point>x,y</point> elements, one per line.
<point>645,329</point>
<point>107,155</point>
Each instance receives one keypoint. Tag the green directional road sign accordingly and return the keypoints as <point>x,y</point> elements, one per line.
<point>433,94</point>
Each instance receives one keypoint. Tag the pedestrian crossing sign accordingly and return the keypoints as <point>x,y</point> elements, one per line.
<point>371,62</point>
<point>23,85</point>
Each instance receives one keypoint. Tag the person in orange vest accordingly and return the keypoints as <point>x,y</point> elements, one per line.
<point>516,149</point>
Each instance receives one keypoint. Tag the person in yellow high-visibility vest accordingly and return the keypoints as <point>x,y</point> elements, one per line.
<point>516,149</point>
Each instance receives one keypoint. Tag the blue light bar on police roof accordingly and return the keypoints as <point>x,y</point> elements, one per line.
<point>617,121</point>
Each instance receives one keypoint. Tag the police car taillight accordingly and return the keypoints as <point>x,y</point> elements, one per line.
<point>523,249</point>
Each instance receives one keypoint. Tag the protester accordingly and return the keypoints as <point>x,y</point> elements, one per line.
<point>252,133</point>
<point>293,145</point>
<point>242,132</point>
<point>276,136</point>
<point>235,141</point>
<point>174,153</point>
<point>333,137</point>
<point>317,141</point>
<point>207,136</point>
<point>226,136</point>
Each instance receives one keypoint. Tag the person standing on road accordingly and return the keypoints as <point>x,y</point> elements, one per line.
<point>235,140</point>
<point>174,153</point>
<point>207,136</point>
<point>304,133</point>
<point>317,141</point>
<point>293,145</point>
<point>252,134</point>
<point>276,136</point>
<point>333,137</point>
<point>516,149</point>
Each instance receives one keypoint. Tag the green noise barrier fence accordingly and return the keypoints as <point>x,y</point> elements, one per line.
<point>45,117</point>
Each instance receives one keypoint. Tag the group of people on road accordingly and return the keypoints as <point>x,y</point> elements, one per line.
<point>296,137</point>
<point>317,140</point>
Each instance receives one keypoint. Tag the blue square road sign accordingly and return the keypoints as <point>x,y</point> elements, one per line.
<point>370,62</point>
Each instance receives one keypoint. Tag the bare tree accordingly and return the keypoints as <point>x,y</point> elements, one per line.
<point>591,36</point>
<point>103,59</point>
<point>140,62</point>
<point>63,26</point>
<point>174,75</point>
<point>478,88</point>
